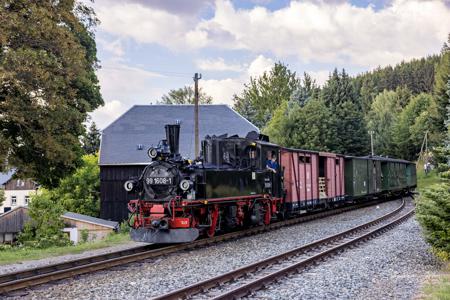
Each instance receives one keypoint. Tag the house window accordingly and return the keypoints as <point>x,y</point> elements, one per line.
<point>27,200</point>
<point>20,182</point>
<point>13,200</point>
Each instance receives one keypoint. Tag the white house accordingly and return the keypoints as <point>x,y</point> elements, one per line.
<point>18,192</point>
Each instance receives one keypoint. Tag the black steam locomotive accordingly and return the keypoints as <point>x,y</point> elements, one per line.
<point>228,188</point>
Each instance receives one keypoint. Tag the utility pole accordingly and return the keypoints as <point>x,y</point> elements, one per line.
<point>371,132</point>
<point>197,77</point>
<point>424,152</point>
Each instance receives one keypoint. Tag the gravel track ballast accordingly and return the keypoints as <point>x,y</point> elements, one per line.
<point>349,278</point>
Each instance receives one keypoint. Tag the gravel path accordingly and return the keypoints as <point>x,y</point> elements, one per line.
<point>153,277</point>
<point>392,266</point>
<point>58,259</point>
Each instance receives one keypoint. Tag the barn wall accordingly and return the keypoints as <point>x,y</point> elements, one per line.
<point>113,197</point>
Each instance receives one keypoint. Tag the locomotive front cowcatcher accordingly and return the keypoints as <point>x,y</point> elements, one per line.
<point>227,188</point>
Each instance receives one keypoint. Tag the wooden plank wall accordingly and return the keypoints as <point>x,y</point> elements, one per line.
<point>14,221</point>
<point>113,197</point>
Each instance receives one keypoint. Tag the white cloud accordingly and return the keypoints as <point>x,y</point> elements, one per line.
<point>332,32</point>
<point>108,113</point>
<point>218,64</point>
<point>259,65</point>
<point>122,86</point>
<point>223,90</point>
<point>114,47</point>
<point>320,76</point>
<point>143,24</point>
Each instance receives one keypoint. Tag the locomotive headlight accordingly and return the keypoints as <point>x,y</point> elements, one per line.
<point>152,152</point>
<point>129,185</point>
<point>185,184</point>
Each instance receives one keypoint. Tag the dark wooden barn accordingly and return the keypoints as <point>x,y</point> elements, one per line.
<point>123,150</point>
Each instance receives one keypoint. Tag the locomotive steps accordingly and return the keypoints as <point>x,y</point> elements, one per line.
<point>36,276</point>
<point>248,279</point>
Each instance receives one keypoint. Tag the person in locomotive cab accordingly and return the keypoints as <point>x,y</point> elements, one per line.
<point>272,163</point>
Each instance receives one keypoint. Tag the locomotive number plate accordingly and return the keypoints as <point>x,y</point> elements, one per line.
<point>158,180</point>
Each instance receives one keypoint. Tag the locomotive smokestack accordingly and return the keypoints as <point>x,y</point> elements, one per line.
<point>173,137</point>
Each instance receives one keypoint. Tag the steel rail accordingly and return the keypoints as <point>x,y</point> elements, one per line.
<point>232,276</point>
<point>40,275</point>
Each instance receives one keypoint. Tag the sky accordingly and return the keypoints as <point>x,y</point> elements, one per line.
<point>148,47</point>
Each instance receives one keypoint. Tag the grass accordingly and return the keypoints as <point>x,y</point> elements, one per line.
<point>439,289</point>
<point>15,254</point>
<point>427,180</point>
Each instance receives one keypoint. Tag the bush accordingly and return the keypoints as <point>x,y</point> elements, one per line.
<point>84,235</point>
<point>124,227</point>
<point>433,212</point>
<point>45,227</point>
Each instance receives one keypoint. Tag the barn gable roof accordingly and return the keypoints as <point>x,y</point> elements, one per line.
<point>142,126</point>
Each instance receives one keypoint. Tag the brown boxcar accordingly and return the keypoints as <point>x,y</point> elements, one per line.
<point>331,176</point>
<point>300,176</point>
<point>312,178</point>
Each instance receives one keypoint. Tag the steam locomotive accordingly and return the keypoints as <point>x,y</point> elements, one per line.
<point>230,187</point>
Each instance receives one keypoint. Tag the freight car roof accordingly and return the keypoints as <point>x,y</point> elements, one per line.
<point>387,159</point>
<point>126,140</point>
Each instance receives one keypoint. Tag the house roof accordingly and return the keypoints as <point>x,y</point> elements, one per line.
<point>4,177</point>
<point>144,125</point>
<point>89,219</point>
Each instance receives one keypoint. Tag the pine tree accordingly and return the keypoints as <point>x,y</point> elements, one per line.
<point>442,76</point>
<point>310,127</point>
<point>91,140</point>
<point>47,85</point>
<point>352,136</point>
<point>433,213</point>
<point>307,90</point>
<point>339,89</point>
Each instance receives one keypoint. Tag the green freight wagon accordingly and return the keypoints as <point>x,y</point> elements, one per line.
<point>362,176</point>
<point>411,176</point>
<point>374,167</point>
<point>394,174</point>
<point>356,177</point>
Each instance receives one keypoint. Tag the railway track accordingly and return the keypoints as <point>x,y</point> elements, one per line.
<point>40,275</point>
<point>248,279</point>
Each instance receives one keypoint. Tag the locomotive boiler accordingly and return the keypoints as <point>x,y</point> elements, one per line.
<point>227,188</point>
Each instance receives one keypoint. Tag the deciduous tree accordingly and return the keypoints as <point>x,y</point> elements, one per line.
<point>185,95</point>
<point>413,121</point>
<point>381,119</point>
<point>2,197</point>
<point>264,94</point>
<point>45,227</point>
<point>47,85</point>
